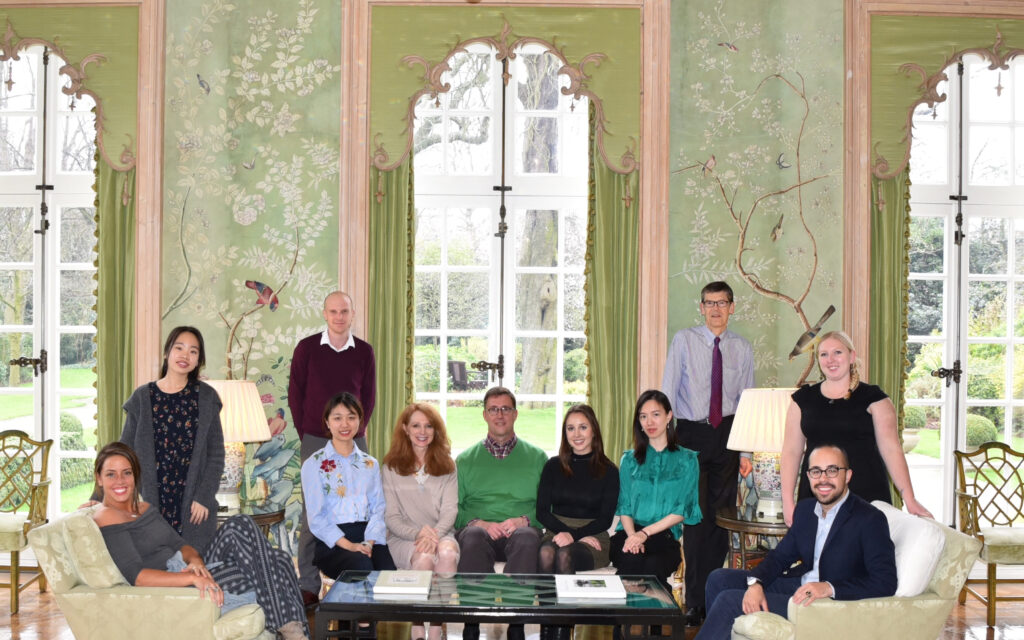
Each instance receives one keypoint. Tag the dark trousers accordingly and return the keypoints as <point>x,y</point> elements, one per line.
<point>478,552</point>
<point>333,560</point>
<point>705,545</point>
<point>659,558</point>
<point>726,588</point>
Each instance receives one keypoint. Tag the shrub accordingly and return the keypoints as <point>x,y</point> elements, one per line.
<point>914,418</point>
<point>73,471</point>
<point>980,430</point>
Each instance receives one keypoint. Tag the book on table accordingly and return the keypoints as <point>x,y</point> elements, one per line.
<point>403,583</point>
<point>589,586</point>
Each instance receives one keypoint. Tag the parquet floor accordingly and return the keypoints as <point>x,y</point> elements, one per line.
<point>41,619</point>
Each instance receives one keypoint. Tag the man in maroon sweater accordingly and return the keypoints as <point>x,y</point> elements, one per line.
<point>323,365</point>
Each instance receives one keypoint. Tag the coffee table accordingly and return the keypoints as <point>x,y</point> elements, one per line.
<point>492,598</point>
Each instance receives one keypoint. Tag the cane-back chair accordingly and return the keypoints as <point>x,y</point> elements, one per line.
<point>990,501</point>
<point>24,485</point>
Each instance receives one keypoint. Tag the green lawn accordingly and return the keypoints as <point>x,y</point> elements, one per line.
<point>71,498</point>
<point>929,445</point>
<point>537,426</point>
<point>70,378</point>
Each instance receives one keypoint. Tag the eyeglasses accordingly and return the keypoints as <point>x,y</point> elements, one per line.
<point>502,410</point>
<point>711,304</point>
<point>831,471</point>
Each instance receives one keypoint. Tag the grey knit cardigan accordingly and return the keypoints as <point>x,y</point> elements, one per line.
<point>204,469</point>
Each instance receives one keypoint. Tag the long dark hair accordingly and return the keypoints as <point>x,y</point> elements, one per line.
<point>172,337</point>
<point>640,439</point>
<point>126,452</point>
<point>346,400</point>
<point>599,462</point>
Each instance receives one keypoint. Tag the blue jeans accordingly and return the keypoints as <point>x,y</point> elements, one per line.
<point>724,595</point>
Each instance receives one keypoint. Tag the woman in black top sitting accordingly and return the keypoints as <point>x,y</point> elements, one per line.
<point>576,500</point>
<point>149,553</point>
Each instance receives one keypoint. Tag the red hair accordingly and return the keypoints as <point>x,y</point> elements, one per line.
<point>402,459</point>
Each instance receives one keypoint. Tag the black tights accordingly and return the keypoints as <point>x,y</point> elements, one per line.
<point>568,559</point>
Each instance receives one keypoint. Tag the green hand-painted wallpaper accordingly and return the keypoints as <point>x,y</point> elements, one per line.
<point>251,198</point>
<point>756,184</point>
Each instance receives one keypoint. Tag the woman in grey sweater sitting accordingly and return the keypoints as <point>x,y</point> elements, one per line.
<point>149,553</point>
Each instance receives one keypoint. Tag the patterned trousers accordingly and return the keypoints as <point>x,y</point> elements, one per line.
<point>249,563</point>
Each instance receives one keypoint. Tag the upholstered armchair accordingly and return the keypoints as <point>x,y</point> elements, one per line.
<point>990,502</point>
<point>24,485</point>
<point>901,616</point>
<point>98,603</point>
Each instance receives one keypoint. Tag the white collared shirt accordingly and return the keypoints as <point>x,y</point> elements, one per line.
<point>824,526</point>
<point>325,338</point>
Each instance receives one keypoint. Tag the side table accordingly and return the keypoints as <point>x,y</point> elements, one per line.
<point>263,520</point>
<point>744,522</point>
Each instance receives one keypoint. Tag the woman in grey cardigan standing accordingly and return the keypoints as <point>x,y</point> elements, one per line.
<point>174,426</point>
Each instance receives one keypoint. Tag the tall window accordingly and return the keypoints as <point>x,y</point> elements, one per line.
<point>47,283</point>
<point>976,293</point>
<point>458,163</point>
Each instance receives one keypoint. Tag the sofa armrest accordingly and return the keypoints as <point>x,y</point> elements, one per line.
<point>138,612</point>
<point>871,618</point>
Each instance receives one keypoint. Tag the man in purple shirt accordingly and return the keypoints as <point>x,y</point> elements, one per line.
<point>323,365</point>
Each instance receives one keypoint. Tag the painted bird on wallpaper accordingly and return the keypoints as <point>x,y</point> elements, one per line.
<point>781,163</point>
<point>806,341</point>
<point>203,84</point>
<point>277,423</point>
<point>728,45</point>
<point>266,294</point>
<point>706,167</point>
<point>777,229</point>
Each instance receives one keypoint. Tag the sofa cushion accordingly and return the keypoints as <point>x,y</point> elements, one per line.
<point>763,625</point>
<point>88,550</point>
<point>12,531</point>
<point>1003,545</point>
<point>918,542</point>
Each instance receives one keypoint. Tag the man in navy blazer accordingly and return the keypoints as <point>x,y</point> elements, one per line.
<point>841,542</point>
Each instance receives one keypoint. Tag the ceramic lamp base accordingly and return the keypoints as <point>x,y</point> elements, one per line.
<point>768,482</point>
<point>234,464</point>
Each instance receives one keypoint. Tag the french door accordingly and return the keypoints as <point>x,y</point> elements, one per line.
<point>966,315</point>
<point>47,269</point>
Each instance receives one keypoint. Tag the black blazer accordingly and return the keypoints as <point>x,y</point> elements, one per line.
<point>858,558</point>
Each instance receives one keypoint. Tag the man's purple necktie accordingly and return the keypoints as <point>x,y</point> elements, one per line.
<point>715,410</point>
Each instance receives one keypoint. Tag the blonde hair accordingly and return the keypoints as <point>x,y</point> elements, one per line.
<point>843,339</point>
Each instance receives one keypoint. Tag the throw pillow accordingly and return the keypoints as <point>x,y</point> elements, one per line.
<point>918,542</point>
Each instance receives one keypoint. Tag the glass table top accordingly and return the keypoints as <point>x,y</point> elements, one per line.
<point>497,590</point>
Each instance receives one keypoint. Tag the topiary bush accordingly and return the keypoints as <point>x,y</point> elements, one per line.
<point>980,430</point>
<point>914,418</point>
<point>73,471</point>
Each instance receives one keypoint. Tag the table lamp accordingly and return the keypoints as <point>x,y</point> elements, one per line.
<point>759,427</point>
<point>243,420</point>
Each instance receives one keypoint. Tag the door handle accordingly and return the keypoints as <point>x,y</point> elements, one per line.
<point>949,375</point>
<point>38,364</point>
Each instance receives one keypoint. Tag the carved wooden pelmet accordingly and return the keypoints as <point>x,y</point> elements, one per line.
<point>505,47</point>
<point>998,57</point>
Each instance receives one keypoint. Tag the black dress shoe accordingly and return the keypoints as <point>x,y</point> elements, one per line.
<point>471,631</point>
<point>515,632</point>
<point>695,616</point>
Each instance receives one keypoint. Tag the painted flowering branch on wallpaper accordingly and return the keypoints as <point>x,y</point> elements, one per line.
<point>773,188</point>
<point>253,194</point>
<point>251,170</point>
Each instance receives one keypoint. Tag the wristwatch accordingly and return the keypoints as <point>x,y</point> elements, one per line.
<point>751,581</point>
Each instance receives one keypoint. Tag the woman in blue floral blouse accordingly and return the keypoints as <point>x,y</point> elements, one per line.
<point>344,498</point>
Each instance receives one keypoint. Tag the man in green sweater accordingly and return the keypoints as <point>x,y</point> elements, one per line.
<point>498,480</point>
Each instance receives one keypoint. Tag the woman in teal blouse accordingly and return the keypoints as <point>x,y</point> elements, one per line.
<point>657,493</point>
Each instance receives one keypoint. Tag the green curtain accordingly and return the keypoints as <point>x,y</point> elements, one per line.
<point>390,313</point>
<point>890,263</point>
<point>115,297</point>
<point>612,295</point>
